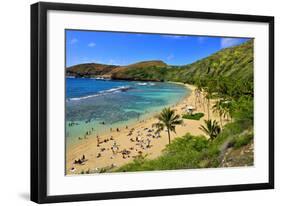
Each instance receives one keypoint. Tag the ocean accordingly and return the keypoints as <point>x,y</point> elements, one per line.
<point>98,105</point>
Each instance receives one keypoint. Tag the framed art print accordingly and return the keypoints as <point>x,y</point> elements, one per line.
<point>134,102</point>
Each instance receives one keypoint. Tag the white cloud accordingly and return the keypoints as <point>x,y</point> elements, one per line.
<point>91,44</point>
<point>174,36</point>
<point>73,41</point>
<point>170,56</point>
<point>228,42</point>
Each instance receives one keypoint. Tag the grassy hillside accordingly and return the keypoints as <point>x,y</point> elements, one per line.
<point>148,70</point>
<point>235,62</point>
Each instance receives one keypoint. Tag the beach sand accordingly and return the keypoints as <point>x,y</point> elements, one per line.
<point>103,157</point>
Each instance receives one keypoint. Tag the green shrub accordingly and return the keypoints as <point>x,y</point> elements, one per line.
<point>185,152</point>
<point>196,116</point>
<point>242,140</point>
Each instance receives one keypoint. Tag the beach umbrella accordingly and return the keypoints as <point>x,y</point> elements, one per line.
<point>190,109</point>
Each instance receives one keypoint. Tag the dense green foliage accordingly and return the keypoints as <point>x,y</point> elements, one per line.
<point>153,73</point>
<point>185,152</point>
<point>235,62</point>
<point>196,116</point>
<point>242,140</point>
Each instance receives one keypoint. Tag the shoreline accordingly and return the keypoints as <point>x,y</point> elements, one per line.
<point>102,156</point>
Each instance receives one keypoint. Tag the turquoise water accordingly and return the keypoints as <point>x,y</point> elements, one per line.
<point>98,105</point>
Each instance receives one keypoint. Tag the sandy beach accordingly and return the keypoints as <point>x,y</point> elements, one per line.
<point>132,141</point>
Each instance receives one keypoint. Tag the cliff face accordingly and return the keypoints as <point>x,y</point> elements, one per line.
<point>243,156</point>
<point>235,62</point>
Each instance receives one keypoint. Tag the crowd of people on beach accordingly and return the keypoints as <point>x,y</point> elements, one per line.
<point>141,140</point>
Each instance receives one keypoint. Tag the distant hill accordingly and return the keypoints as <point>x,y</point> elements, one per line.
<point>89,70</point>
<point>110,71</point>
<point>145,71</point>
<point>235,62</point>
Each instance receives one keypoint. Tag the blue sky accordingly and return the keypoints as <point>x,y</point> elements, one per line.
<point>126,48</point>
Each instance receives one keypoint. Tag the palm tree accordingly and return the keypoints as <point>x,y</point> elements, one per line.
<point>208,96</point>
<point>227,109</point>
<point>210,90</point>
<point>220,109</point>
<point>168,119</point>
<point>212,128</point>
<point>197,96</point>
<point>199,90</point>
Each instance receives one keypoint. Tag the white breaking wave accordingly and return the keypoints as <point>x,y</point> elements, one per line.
<point>142,84</point>
<point>100,93</point>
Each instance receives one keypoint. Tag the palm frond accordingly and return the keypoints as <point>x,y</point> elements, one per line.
<point>169,119</point>
<point>211,128</point>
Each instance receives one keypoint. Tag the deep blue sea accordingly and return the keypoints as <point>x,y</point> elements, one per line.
<point>105,104</point>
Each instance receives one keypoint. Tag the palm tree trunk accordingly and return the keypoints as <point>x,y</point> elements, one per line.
<point>208,105</point>
<point>221,120</point>
<point>203,104</point>
<point>169,136</point>
<point>196,98</point>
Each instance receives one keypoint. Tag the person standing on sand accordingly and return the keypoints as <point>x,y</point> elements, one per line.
<point>114,148</point>
<point>148,143</point>
<point>98,141</point>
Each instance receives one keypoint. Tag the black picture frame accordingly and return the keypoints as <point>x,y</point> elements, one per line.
<point>39,101</point>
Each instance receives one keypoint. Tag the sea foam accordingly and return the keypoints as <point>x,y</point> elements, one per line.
<point>104,92</point>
